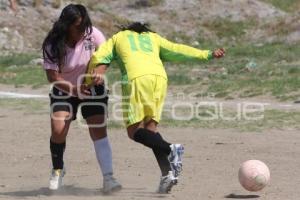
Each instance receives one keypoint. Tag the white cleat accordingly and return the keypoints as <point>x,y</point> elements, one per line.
<point>110,184</point>
<point>56,178</point>
<point>166,183</point>
<point>175,158</point>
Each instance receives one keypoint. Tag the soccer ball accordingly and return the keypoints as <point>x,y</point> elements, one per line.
<point>254,175</point>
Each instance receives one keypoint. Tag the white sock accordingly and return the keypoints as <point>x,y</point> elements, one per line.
<point>104,155</point>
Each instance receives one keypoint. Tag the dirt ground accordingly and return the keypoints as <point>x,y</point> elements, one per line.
<point>211,162</point>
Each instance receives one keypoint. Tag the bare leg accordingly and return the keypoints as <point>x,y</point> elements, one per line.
<point>97,127</point>
<point>60,124</point>
<point>133,128</point>
<point>151,125</point>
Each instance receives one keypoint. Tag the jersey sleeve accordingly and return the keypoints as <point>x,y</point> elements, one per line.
<point>105,54</point>
<point>170,51</point>
<point>47,63</point>
<point>98,36</point>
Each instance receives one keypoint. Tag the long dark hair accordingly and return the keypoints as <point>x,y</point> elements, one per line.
<point>138,27</point>
<point>54,45</point>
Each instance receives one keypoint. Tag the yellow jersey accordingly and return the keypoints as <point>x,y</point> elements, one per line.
<point>139,54</point>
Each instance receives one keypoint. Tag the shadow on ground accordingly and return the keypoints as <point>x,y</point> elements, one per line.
<point>238,196</point>
<point>71,190</point>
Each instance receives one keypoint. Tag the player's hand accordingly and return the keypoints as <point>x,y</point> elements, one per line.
<point>97,77</point>
<point>219,53</point>
<point>80,90</point>
<point>84,89</point>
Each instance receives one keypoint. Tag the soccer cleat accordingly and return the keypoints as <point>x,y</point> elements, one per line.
<point>56,178</point>
<point>166,183</point>
<point>175,158</point>
<point>110,184</point>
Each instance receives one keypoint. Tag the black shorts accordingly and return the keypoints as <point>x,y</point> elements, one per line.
<point>94,105</point>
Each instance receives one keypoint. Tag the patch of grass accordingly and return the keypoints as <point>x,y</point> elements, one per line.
<point>27,105</point>
<point>279,87</point>
<point>15,70</point>
<point>294,70</point>
<point>23,75</point>
<point>272,75</point>
<point>16,59</point>
<point>286,5</point>
<point>179,37</point>
<point>179,79</point>
<point>226,28</point>
<point>273,119</point>
<point>146,3</point>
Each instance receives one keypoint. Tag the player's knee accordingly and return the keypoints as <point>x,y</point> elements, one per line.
<point>133,128</point>
<point>59,130</point>
<point>58,138</point>
<point>98,133</point>
<point>58,133</point>
<point>151,125</point>
<point>130,134</point>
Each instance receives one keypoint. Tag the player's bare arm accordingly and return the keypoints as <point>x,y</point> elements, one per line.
<point>54,77</point>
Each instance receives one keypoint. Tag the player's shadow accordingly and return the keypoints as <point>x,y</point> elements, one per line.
<point>71,190</point>
<point>239,196</point>
<point>63,191</point>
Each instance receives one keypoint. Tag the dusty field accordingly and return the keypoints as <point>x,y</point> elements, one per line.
<point>211,162</point>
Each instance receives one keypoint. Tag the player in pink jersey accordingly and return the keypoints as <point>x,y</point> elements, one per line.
<point>67,50</point>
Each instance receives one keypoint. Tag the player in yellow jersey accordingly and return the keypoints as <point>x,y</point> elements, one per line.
<point>139,53</point>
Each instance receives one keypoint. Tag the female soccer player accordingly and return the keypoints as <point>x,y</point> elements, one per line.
<point>67,50</point>
<point>139,53</point>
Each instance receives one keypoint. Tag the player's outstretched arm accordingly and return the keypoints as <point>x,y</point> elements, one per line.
<point>170,51</point>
